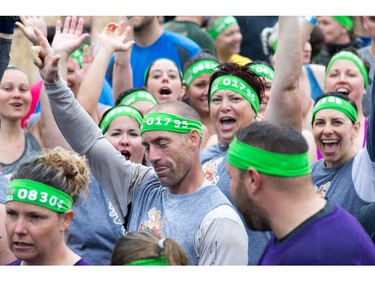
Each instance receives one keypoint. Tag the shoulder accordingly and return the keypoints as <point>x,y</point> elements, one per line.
<point>181,40</point>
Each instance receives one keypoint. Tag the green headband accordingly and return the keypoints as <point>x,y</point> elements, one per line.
<point>40,194</point>
<point>235,84</point>
<point>77,54</point>
<point>333,102</point>
<point>244,156</point>
<point>263,70</point>
<point>117,111</point>
<point>346,21</point>
<point>161,121</point>
<point>346,55</point>
<point>137,96</point>
<point>156,261</point>
<point>197,69</point>
<point>220,25</point>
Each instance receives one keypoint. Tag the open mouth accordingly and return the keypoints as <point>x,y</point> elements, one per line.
<point>165,91</point>
<point>227,122</point>
<point>126,154</point>
<point>343,91</point>
<point>16,104</point>
<point>330,145</point>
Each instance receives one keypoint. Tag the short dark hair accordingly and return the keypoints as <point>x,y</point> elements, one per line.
<point>274,136</point>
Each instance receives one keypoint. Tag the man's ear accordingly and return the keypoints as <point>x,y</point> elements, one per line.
<point>253,181</point>
<point>194,139</point>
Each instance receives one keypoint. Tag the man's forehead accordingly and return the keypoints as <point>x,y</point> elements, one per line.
<point>155,136</point>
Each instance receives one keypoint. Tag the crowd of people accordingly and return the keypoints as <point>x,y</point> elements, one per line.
<point>156,144</point>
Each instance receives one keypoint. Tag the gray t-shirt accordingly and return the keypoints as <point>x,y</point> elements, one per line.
<point>3,187</point>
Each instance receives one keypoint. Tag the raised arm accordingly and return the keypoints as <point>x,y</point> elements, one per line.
<point>7,24</point>
<point>113,38</point>
<point>114,173</point>
<point>67,38</point>
<point>122,72</point>
<point>285,101</point>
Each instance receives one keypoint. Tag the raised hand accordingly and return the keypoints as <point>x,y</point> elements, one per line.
<point>45,59</point>
<point>28,23</point>
<point>70,37</point>
<point>115,37</point>
<point>87,59</point>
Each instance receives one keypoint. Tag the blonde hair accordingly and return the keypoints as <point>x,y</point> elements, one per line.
<point>62,169</point>
<point>140,245</point>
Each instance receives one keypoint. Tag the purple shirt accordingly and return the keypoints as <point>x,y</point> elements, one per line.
<point>330,237</point>
<point>79,262</point>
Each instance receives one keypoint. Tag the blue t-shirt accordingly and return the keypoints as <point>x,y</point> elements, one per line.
<point>171,45</point>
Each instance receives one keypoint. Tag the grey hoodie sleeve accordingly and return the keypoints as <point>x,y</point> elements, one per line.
<point>115,174</point>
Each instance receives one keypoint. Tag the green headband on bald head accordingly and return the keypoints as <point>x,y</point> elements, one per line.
<point>346,55</point>
<point>37,193</point>
<point>141,95</point>
<point>197,69</point>
<point>346,21</point>
<point>263,70</point>
<point>220,25</point>
<point>337,103</point>
<point>235,84</point>
<point>117,111</point>
<point>161,121</point>
<point>244,156</point>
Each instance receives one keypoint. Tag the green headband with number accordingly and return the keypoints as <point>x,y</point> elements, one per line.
<point>197,69</point>
<point>346,21</point>
<point>117,111</point>
<point>337,103</point>
<point>346,55</point>
<point>156,261</point>
<point>161,121</point>
<point>263,70</point>
<point>244,156</point>
<point>40,194</point>
<point>235,84</point>
<point>220,25</point>
<point>137,96</point>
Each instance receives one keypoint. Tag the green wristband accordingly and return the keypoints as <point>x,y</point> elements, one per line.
<point>337,103</point>
<point>161,121</point>
<point>346,55</point>
<point>137,96</point>
<point>40,194</point>
<point>220,25</point>
<point>156,261</point>
<point>235,84</point>
<point>197,69</point>
<point>245,156</point>
<point>263,70</point>
<point>117,111</point>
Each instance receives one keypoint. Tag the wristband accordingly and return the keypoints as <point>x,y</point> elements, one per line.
<point>7,26</point>
<point>312,20</point>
